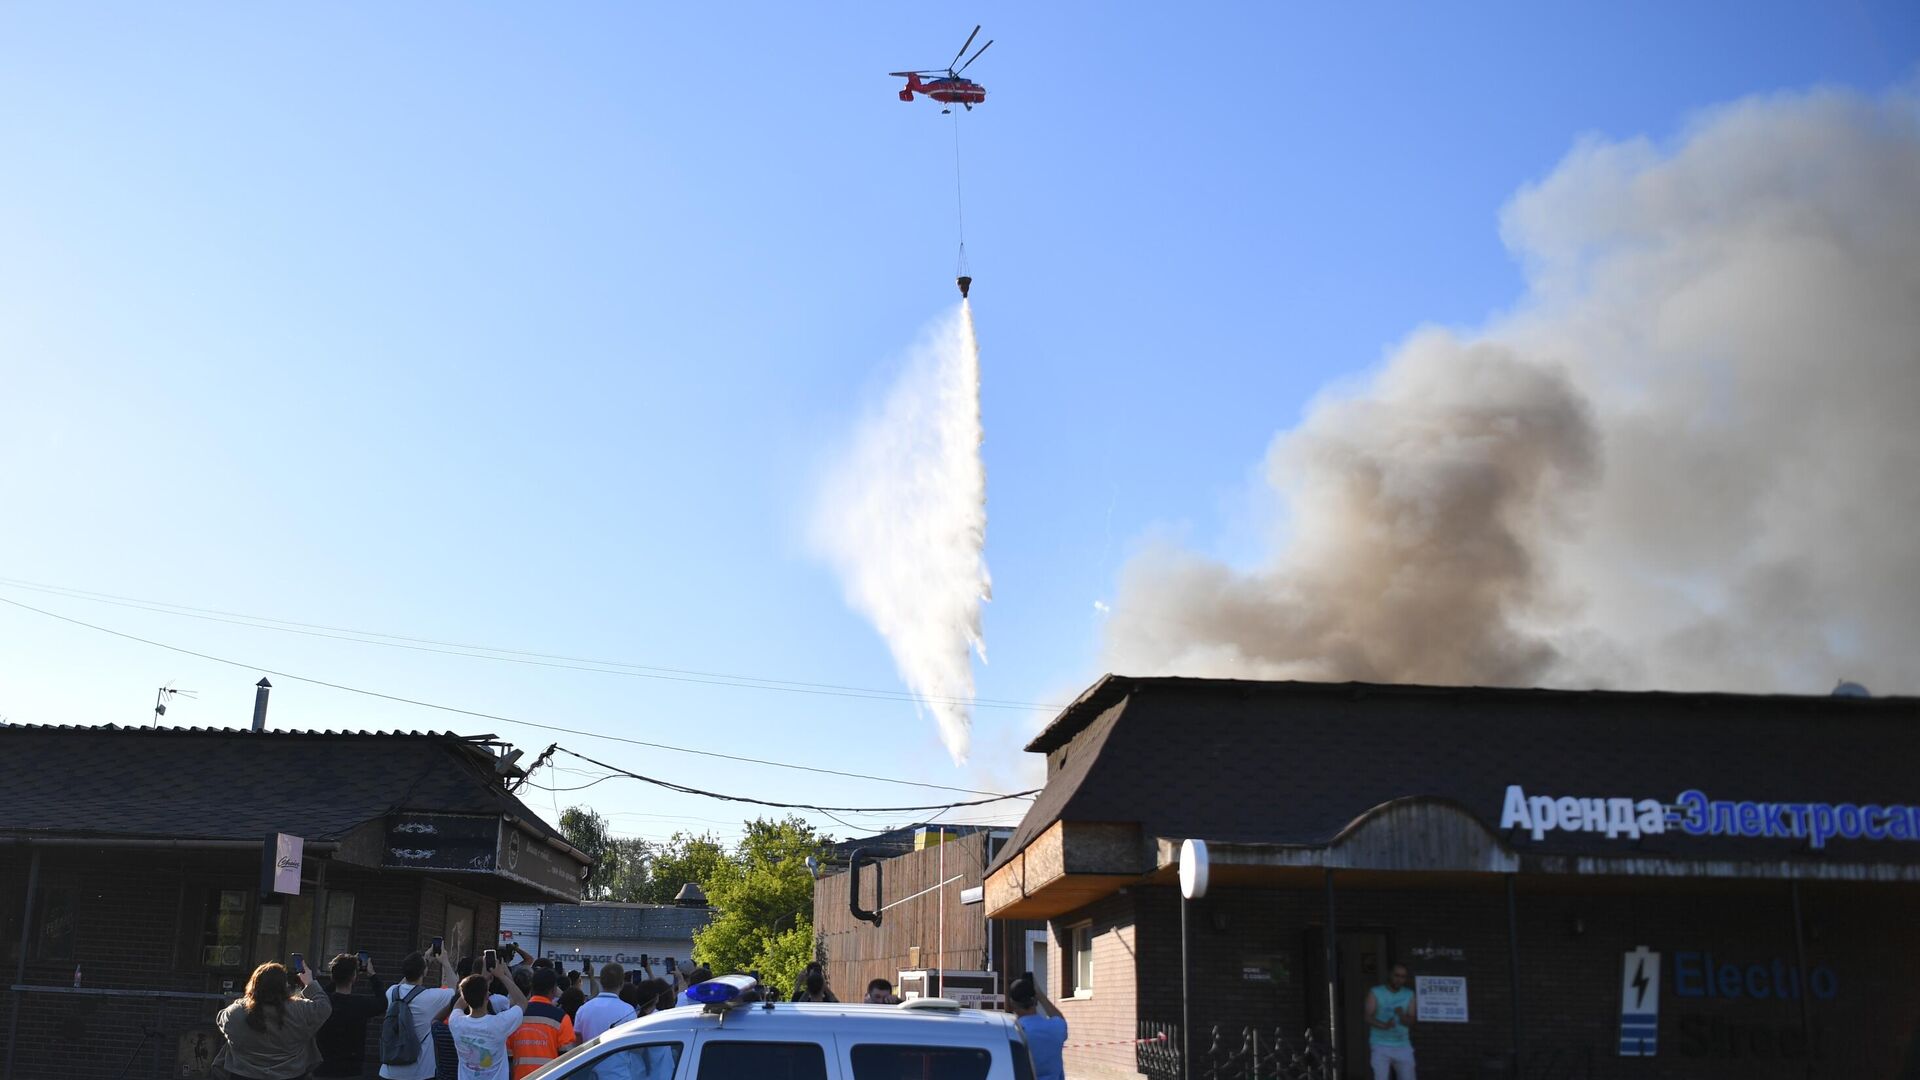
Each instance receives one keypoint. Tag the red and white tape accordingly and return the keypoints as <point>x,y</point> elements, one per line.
<point>1160,1038</point>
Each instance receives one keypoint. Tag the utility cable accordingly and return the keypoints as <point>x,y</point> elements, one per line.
<point>494,716</point>
<point>685,790</point>
<point>513,656</point>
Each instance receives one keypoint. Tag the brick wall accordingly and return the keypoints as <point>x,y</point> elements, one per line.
<point>1573,936</point>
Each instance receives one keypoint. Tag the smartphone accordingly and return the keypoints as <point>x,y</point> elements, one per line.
<point>364,959</point>
<point>634,977</point>
<point>671,966</point>
<point>299,963</point>
<point>491,960</point>
<point>436,946</point>
<point>643,959</point>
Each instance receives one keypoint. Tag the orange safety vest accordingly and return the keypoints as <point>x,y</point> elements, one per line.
<point>545,1028</point>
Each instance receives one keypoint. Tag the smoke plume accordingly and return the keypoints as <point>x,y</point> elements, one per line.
<point>1686,460</point>
<point>903,521</point>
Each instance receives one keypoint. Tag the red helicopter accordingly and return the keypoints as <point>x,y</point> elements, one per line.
<point>948,88</point>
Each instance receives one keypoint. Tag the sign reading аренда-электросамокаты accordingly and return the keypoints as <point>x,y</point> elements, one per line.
<point>1696,815</point>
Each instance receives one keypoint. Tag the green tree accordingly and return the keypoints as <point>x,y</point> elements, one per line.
<point>763,895</point>
<point>682,859</point>
<point>627,880</point>
<point>585,829</point>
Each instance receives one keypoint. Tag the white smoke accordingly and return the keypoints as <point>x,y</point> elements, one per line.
<point>903,521</point>
<point>1686,460</point>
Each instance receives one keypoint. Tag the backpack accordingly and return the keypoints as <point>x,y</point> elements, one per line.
<point>398,1044</point>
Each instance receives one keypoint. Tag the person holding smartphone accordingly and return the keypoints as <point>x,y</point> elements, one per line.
<point>479,1033</point>
<point>423,983</point>
<point>269,1032</point>
<point>343,1038</point>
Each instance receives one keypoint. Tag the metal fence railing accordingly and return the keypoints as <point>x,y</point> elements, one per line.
<point>1230,1053</point>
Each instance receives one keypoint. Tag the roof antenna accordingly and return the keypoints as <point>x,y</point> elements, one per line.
<point>160,701</point>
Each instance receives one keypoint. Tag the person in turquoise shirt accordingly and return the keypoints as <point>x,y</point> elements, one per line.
<point>1390,1009</point>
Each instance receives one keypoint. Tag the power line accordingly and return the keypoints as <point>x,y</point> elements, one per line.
<point>685,790</point>
<point>493,716</point>
<point>513,656</point>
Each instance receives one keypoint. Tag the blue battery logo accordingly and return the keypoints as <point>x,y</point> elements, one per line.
<point>1640,1003</point>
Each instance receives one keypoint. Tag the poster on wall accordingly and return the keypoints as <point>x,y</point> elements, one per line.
<point>1440,999</point>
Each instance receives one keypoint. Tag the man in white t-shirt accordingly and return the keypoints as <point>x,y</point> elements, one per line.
<point>604,1010</point>
<point>479,1033</point>
<point>427,1004</point>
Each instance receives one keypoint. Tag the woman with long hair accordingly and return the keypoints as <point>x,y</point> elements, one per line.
<point>269,1032</point>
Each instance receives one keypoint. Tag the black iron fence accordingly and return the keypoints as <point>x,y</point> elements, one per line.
<point>1232,1053</point>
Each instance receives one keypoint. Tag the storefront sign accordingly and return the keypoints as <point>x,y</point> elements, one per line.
<point>1265,969</point>
<point>1701,974</point>
<point>529,859</point>
<point>280,864</point>
<point>1696,815</point>
<point>1640,1003</point>
<point>442,842</point>
<point>1440,999</point>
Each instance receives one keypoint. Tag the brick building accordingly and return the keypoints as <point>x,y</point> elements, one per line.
<point>1584,884</point>
<point>135,855</point>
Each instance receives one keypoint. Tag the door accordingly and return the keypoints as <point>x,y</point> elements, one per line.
<point>1360,962</point>
<point>459,931</point>
<point>1362,956</point>
<point>1037,960</point>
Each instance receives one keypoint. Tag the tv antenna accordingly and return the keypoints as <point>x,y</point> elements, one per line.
<point>160,700</point>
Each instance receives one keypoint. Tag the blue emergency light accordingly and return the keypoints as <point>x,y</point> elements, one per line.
<point>721,991</point>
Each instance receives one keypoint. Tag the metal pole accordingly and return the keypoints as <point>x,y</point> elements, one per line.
<point>1333,996</point>
<point>940,975</point>
<point>1800,961</point>
<point>1513,969</point>
<point>1186,1008</point>
<point>20,968</point>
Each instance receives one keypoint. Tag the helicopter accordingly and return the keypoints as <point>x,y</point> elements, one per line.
<point>948,88</point>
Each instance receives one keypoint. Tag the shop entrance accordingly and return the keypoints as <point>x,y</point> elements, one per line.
<point>1360,964</point>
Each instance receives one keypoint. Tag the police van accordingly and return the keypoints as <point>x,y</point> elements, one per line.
<point>730,1036</point>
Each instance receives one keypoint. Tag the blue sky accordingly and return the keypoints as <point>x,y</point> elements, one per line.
<point>535,327</point>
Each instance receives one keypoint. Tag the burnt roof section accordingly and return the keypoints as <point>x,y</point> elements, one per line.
<point>238,784</point>
<point>1295,762</point>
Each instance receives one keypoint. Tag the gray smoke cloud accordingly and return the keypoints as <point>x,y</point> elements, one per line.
<point>1686,460</point>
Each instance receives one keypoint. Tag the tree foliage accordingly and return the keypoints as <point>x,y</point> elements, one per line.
<point>585,829</point>
<point>685,858</point>
<point>763,896</point>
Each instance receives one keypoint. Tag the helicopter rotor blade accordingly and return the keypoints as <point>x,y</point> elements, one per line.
<point>963,48</point>
<point>975,56</point>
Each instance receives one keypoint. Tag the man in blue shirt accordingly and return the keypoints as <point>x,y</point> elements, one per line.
<point>1045,1028</point>
<point>1390,1009</point>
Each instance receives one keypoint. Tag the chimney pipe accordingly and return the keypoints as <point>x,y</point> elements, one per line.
<point>260,691</point>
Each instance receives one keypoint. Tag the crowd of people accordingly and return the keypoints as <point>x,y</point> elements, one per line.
<point>499,1017</point>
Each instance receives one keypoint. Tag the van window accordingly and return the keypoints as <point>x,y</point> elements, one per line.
<point>1022,1063</point>
<point>653,1061</point>
<point>875,1062</point>
<point>762,1061</point>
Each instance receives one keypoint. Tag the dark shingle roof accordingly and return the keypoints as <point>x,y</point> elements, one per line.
<point>893,842</point>
<point>236,784</point>
<point>1294,763</point>
<point>624,922</point>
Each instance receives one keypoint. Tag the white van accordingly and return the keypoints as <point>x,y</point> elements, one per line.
<point>731,1039</point>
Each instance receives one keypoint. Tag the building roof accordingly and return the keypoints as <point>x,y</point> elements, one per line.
<point>1294,763</point>
<point>624,922</point>
<point>894,841</point>
<point>237,784</point>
